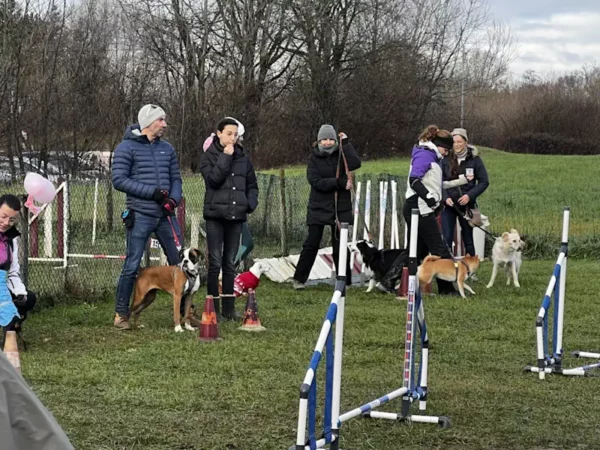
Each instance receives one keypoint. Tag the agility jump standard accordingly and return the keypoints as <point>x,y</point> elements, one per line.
<point>550,361</point>
<point>413,388</point>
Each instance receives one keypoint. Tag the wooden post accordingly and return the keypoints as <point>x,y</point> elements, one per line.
<point>283,216</point>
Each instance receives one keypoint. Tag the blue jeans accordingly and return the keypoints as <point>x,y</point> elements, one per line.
<point>449,216</point>
<point>137,238</point>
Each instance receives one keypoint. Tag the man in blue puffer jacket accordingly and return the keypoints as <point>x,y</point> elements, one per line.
<point>146,169</point>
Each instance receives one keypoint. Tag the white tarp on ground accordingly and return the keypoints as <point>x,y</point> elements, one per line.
<point>282,269</point>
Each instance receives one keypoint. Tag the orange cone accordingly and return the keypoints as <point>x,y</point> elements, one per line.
<point>251,320</point>
<point>209,329</point>
<point>11,350</point>
<point>403,289</point>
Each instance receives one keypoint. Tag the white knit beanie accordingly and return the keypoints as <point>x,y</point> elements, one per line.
<point>148,114</point>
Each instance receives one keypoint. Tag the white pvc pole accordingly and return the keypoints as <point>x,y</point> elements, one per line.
<point>355,227</point>
<point>95,212</point>
<point>339,335</point>
<point>367,216</point>
<point>410,314</point>
<point>393,243</point>
<point>383,186</point>
<point>66,225</point>
<point>48,231</point>
<point>562,284</point>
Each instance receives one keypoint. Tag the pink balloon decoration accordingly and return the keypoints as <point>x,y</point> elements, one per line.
<point>39,188</point>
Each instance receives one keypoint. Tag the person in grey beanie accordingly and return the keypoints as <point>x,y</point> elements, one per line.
<point>324,165</point>
<point>146,169</point>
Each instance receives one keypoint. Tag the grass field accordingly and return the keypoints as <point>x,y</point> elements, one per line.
<point>157,390</point>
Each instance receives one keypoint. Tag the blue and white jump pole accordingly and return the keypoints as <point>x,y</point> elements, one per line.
<point>549,361</point>
<point>414,388</point>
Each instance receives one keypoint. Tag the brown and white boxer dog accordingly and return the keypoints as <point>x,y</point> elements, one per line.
<point>181,281</point>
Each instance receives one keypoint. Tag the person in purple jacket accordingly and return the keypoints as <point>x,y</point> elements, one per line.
<point>424,192</point>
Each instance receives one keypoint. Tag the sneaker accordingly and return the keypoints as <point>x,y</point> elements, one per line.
<point>298,285</point>
<point>121,322</point>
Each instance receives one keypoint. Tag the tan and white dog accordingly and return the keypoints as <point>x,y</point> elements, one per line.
<point>181,281</point>
<point>448,270</point>
<point>507,251</point>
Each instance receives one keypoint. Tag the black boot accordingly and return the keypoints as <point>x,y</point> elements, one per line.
<point>229,312</point>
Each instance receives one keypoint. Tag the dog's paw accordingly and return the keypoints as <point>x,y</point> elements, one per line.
<point>489,285</point>
<point>517,285</point>
<point>190,328</point>
<point>178,329</point>
<point>369,289</point>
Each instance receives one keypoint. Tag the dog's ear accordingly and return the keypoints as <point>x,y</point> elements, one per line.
<point>505,236</point>
<point>512,230</point>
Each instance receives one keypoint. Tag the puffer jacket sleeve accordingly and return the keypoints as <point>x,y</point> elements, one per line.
<point>251,188</point>
<point>482,180</point>
<point>176,191</point>
<point>121,174</point>
<point>14,282</point>
<point>215,174</point>
<point>351,157</point>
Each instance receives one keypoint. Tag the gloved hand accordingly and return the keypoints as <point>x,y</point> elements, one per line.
<point>20,300</point>
<point>431,202</point>
<point>169,206</point>
<point>160,195</point>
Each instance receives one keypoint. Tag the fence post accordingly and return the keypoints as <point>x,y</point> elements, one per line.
<point>60,214</point>
<point>24,245</point>
<point>109,205</point>
<point>48,241</point>
<point>33,234</point>
<point>283,216</point>
<point>195,230</point>
<point>181,219</point>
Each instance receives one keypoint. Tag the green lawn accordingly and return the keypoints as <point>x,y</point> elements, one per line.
<point>155,389</point>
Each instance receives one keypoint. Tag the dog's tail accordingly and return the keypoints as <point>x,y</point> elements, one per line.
<point>431,258</point>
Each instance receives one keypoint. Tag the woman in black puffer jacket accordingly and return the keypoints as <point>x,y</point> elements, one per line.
<point>323,164</point>
<point>231,194</point>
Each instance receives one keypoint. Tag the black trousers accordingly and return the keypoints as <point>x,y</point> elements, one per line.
<point>310,249</point>
<point>223,238</point>
<point>430,239</point>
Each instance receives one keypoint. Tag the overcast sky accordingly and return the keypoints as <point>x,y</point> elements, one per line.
<point>552,36</point>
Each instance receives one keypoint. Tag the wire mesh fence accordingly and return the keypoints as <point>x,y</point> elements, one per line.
<point>76,245</point>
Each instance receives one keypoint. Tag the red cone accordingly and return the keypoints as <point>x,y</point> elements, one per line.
<point>403,289</point>
<point>251,320</point>
<point>209,329</point>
